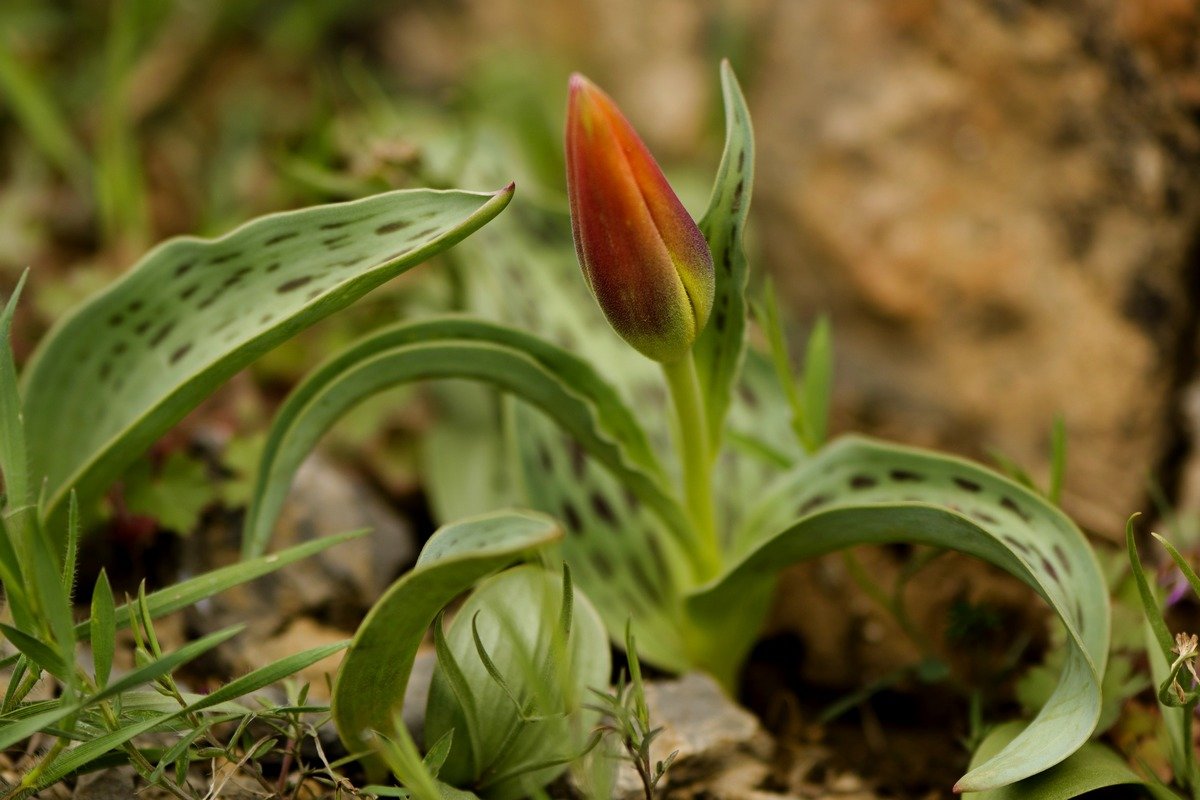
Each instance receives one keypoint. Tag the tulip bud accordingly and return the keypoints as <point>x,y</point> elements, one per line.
<point>643,257</point>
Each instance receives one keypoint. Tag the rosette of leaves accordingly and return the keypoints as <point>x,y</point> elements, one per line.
<point>591,445</point>
<point>104,384</point>
<point>507,709</point>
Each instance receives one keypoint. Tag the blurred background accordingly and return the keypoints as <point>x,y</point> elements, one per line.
<point>996,202</point>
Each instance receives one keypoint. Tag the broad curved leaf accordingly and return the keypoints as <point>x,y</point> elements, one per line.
<point>562,385</point>
<point>858,491</point>
<point>370,683</point>
<point>618,549</point>
<point>132,361</point>
<point>719,348</point>
<point>1093,767</point>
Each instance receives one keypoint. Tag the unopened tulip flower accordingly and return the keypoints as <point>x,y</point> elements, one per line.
<point>642,255</point>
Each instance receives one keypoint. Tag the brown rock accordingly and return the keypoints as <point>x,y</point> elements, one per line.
<point>990,200</point>
<point>336,586</point>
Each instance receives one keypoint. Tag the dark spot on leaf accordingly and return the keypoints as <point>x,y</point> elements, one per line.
<point>748,396</point>
<point>968,485</point>
<point>142,327</point>
<point>223,324</point>
<point>161,333</point>
<point>737,196</point>
<point>294,283</point>
<point>392,227</point>
<point>281,237</point>
<point>315,293</point>
<point>180,352</point>
<point>603,509</point>
<point>643,579</point>
<point>983,516</point>
<point>189,291</point>
<point>631,501</point>
<point>119,348</point>
<point>1061,555</point>
<point>812,504</point>
<point>274,265</point>
<point>183,268</point>
<point>426,232</point>
<point>333,226</point>
<point>578,458</point>
<point>237,276</point>
<point>116,319</point>
<point>601,563</point>
<point>334,242</point>
<point>1017,543</point>
<point>265,318</point>
<point>741,165</point>
<point>1048,566</point>
<point>905,476</point>
<point>225,258</point>
<point>862,482</point>
<point>134,306</point>
<point>210,299</point>
<point>105,370</point>
<point>1011,505</point>
<point>571,517</point>
<point>544,458</point>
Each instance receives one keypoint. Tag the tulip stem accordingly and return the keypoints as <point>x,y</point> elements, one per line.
<point>691,438</point>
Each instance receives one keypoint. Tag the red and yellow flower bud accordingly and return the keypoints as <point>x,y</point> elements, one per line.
<point>642,255</point>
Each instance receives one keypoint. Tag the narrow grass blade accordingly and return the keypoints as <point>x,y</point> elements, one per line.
<point>103,628</point>
<point>33,105</point>
<point>818,384</point>
<point>1190,574</point>
<point>87,752</point>
<point>25,728</point>
<point>14,463</point>
<point>1154,616</point>
<point>44,655</point>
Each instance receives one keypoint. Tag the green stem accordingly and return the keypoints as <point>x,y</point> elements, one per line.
<point>691,439</point>
<point>1189,750</point>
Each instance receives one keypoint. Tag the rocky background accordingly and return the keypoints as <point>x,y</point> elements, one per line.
<point>997,202</point>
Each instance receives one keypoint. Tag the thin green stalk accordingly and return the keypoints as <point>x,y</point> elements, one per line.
<point>691,438</point>
<point>1189,751</point>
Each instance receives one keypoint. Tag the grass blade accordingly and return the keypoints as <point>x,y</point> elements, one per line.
<point>103,628</point>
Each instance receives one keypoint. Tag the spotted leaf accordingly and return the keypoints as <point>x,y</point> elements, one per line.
<point>132,361</point>
<point>562,385</point>
<point>719,349</point>
<point>858,491</point>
